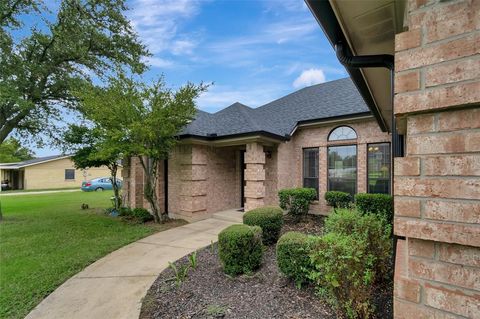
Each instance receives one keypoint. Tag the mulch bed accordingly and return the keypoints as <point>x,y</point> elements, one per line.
<point>209,293</point>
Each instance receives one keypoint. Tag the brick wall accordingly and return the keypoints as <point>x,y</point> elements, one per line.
<point>290,155</point>
<point>437,183</point>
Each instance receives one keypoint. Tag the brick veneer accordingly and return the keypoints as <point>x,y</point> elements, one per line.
<point>204,179</point>
<point>437,183</point>
<point>254,176</point>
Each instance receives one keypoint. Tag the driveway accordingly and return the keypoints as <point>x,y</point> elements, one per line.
<point>113,287</point>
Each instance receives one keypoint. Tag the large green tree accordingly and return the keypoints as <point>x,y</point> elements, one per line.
<point>40,67</point>
<point>12,151</point>
<point>141,121</point>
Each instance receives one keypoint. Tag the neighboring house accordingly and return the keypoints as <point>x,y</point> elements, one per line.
<point>435,48</point>
<point>323,136</point>
<point>47,172</point>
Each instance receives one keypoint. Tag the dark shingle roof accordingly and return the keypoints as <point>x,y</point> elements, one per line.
<point>316,102</point>
<point>33,161</point>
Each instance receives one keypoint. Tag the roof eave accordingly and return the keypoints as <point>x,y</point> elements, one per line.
<point>326,18</point>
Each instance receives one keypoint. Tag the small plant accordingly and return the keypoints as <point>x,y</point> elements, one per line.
<point>379,204</point>
<point>84,206</point>
<point>269,218</point>
<point>136,215</point>
<point>338,199</point>
<point>179,272</point>
<point>142,215</point>
<point>240,249</point>
<point>344,274</point>
<point>293,250</point>
<point>297,200</point>
<point>193,259</point>
<point>212,247</point>
<point>216,311</point>
<point>371,229</point>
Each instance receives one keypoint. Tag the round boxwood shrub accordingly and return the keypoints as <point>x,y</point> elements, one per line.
<point>297,200</point>
<point>378,204</point>
<point>240,248</point>
<point>293,256</point>
<point>142,215</point>
<point>269,218</point>
<point>338,199</point>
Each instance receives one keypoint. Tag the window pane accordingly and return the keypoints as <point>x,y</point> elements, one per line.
<point>342,133</point>
<point>69,174</point>
<point>379,168</point>
<point>342,169</point>
<point>310,168</point>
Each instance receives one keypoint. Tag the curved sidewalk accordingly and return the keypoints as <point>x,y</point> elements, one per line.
<point>113,287</point>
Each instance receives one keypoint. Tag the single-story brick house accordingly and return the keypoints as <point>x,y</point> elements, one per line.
<point>425,53</point>
<point>57,171</point>
<point>322,136</point>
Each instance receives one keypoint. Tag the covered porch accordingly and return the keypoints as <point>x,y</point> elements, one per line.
<point>12,178</point>
<point>207,178</point>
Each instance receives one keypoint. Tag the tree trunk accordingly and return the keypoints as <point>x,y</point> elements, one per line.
<point>150,169</point>
<point>116,191</point>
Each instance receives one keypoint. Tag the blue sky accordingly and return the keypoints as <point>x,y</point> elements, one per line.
<point>253,51</point>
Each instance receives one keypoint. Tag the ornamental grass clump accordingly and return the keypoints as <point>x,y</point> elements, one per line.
<point>269,219</point>
<point>240,249</point>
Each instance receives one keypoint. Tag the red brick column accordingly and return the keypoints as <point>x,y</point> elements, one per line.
<point>437,183</point>
<point>254,176</point>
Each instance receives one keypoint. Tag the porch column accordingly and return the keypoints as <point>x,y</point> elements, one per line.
<point>254,176</point>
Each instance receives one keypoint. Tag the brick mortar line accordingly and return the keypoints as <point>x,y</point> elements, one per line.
<point>469,291</point>
<point>440,133</point>
<point>439,42</point>
<point>437,199</point>
<point>444,262</point>
<point>436,310</point>
<point>437,177</point>
<point>438,222</point>
<point>439,86</point>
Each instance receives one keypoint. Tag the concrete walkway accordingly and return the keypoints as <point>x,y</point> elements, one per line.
<point>113,287</point>
<point>40,192</point>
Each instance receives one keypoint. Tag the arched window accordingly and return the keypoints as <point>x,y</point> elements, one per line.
<point>342,133</point>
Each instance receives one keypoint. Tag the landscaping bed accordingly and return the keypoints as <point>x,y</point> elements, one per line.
<point>207,292</point>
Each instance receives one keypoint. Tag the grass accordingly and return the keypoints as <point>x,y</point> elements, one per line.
<point>47,238</point>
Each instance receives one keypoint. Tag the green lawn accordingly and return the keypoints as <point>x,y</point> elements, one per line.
<point>47,238</point>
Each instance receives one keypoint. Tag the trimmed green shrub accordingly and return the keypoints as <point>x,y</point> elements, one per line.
<point>375,231</point>
<point>379,204</point>
<point>142,215</point>
<point>269,218</point>
<point>344,273</point>
<point>338,199</point>
<point>293,250</point>
<point>240,249</point>
<point>297,200</point>
<point>139,215</point>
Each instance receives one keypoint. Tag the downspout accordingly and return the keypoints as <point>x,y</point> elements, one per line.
<point>378,61</point>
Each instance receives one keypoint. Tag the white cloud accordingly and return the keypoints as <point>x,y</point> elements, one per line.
<point>221,96</point>
<point>158,23</point>
<point>309,77</point>
<point>159,62</point>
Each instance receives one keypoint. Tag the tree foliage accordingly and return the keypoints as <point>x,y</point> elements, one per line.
<point>39,71</point>
<point>141,120</point>
<point>12,151</point>
<point>87,144</point>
